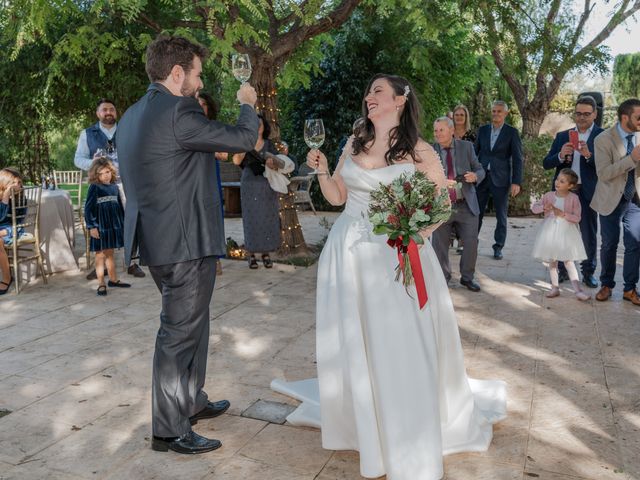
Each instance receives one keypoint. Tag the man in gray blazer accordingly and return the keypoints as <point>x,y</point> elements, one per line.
<point>166,150</point>
<point>460,165</point>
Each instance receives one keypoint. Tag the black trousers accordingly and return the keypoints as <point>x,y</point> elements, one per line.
<point>182,343</point>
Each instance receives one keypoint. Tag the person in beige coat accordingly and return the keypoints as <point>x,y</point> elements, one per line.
<point>616,199</point>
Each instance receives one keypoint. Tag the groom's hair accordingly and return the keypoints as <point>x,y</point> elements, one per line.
<point>167,51</point>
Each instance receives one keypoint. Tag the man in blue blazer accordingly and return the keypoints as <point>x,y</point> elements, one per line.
<point>582,161</point>
<point>499,150</point>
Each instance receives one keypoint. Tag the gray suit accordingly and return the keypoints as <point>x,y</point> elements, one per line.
<point>173,216</point>
<point>465,212</point>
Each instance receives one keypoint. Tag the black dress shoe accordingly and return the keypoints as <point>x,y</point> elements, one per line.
<point>135,270</point>
<point>590,281</point>
<point>470,284</point>
<point>212,410</point>
<point>497,253</point>
<point>188,443</point>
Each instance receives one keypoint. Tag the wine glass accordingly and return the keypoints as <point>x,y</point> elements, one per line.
<point>241,67</point>
<point>314,135</point>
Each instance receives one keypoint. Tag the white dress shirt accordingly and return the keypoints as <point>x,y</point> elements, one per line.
<point>82,160</point>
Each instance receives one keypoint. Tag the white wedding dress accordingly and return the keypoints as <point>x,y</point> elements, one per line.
<point>391,378</point>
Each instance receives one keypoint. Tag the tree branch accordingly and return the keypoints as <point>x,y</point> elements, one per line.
<point>292,16</point>
<point>619,17</point>
<point>283,44</point>
<point>144,19</point>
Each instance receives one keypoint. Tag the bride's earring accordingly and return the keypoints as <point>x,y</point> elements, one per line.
<point>397,108</point>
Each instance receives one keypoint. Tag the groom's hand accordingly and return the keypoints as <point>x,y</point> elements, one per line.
<point>247,95</point>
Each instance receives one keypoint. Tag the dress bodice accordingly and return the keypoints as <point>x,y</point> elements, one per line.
<point>360,182</point>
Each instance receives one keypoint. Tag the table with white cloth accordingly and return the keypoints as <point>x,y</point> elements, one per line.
<point>57,234</point>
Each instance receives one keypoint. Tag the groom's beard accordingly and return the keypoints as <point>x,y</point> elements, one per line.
<point>189,90</point>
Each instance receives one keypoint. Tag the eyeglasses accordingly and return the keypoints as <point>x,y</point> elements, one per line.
<point>583,114</point>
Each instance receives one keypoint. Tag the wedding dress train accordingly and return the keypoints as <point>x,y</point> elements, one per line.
<point>391,378</point>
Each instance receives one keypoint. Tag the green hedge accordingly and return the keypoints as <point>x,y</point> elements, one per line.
<point>536,180</point>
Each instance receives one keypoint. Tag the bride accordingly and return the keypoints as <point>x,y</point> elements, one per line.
<point>391,378</point>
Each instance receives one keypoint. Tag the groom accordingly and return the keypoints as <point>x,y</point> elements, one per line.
<point>166,150</point>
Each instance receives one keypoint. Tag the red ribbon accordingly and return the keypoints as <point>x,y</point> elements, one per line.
<point>416,266</point>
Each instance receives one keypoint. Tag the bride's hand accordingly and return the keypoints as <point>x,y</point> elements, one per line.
<point>316,159</point>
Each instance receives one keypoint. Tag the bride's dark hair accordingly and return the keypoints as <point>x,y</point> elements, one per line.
<point>404,137</point>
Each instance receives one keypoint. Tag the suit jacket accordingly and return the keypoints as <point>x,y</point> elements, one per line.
<point>505,157</point>
<point>588,174</point>
<point>165,147</point>
<point>464,160</point>
<point>572,208</point>
<point>612,165</point>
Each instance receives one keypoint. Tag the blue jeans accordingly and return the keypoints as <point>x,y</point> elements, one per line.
<point>8,238</point>
<point>628,214</point>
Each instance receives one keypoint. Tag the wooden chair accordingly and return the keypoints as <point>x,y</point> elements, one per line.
<point>72,181</point>
<point>25,219</point>
<point>301,188</point>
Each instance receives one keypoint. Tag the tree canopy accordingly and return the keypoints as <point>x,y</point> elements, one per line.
<point>626,76</point>
<point>535,44</point>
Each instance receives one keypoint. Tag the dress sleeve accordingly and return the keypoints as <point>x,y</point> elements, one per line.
<point>574,212</point>
<point>429,163</point>
<point>90,207</point>
<point>537,207</point>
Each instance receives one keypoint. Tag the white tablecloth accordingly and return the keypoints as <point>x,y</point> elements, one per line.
<point>57,234</point>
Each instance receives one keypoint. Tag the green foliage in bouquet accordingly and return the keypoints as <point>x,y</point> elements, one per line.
<point>406,206</point>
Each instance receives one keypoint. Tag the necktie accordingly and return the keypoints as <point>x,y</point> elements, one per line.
<point>451,175</point>
<point>629,187</point>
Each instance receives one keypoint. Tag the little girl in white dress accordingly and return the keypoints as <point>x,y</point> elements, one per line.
<point>559,236</point>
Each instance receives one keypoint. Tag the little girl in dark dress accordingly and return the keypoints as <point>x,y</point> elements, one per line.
<point>104,217</point>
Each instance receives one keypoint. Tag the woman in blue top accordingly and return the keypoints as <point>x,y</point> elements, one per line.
<point>104,217</point>
<point>10,181</point>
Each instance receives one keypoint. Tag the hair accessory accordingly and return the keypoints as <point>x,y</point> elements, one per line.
<point>406,91</point>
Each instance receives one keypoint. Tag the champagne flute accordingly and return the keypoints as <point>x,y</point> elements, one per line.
<point>241,67</point>
<point>314,135</point>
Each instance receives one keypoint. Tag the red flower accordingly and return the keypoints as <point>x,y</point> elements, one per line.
<point>427,209</point>
<point>407,187</point>
<point>393,220</point>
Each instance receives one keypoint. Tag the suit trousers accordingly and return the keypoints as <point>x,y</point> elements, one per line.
<point>589,232</point>
<point>182,343</point>
<point>500,197</point>
<point>466,224</point>
<point>627,213</point>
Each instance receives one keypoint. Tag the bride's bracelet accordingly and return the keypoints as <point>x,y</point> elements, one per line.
<point>323,173</point>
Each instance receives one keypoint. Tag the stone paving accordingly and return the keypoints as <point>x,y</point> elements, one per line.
<point>75,372</point>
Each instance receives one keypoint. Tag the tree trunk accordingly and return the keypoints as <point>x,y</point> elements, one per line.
<point>532,118</point>
<point>263,77</point>
<point>292,239</point>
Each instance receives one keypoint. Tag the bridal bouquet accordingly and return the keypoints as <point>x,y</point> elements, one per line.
<point>401,210</point>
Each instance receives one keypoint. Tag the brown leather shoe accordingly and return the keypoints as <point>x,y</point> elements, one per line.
<point>604,294</point>
<point>632,296</point>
